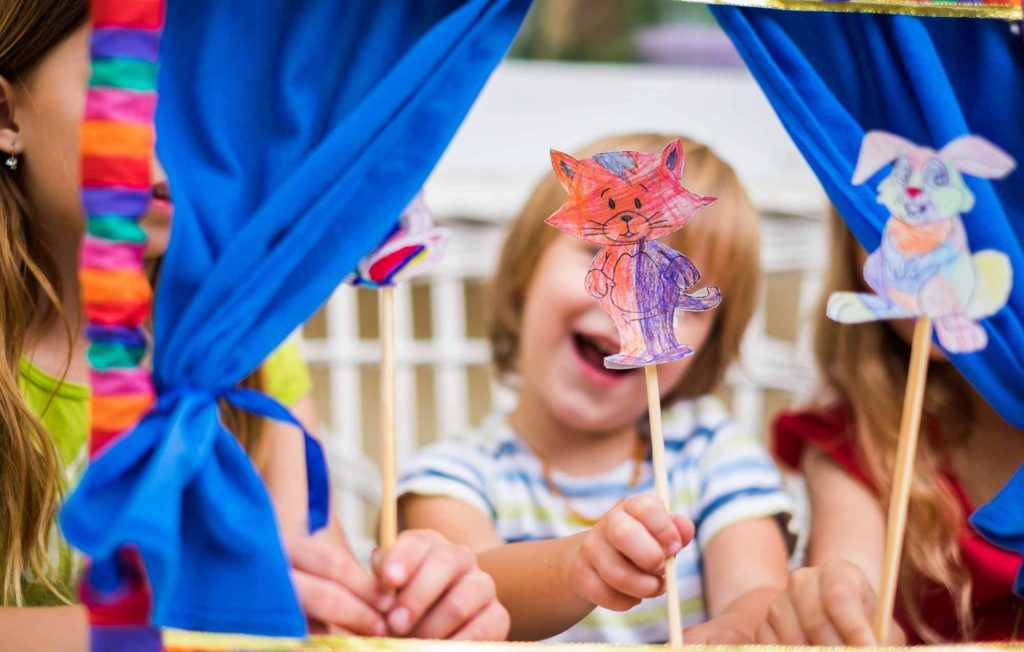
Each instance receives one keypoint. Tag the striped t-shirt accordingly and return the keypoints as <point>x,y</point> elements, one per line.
<point>718,474</point>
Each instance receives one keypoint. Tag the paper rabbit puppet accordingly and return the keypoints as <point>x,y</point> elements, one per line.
<point>924,266</point>
<point>624,201</point>
<point>412,248</point>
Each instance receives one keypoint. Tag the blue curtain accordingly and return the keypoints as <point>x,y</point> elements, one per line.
<point>832,77</point>
<point>293,133</point>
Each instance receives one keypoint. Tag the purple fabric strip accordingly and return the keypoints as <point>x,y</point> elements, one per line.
<point>140,638</point>
<point>115,201</point>
<point>113,42</point>
<point>115,334</point>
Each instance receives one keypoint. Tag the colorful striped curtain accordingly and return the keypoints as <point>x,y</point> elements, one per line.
<point>292,134</point>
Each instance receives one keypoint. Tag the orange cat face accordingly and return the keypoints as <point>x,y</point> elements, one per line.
<point>624,198</point>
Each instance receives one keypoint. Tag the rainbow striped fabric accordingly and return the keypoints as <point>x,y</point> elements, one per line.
<point>117,151</point>
<point>117,143</point>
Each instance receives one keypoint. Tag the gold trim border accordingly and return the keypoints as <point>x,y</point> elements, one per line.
<point>1007,11</point>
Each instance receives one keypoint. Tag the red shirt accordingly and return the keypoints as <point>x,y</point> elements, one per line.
<point>996,609</point>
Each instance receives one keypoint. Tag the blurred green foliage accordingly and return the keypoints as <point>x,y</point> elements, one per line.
<point>596,30</point>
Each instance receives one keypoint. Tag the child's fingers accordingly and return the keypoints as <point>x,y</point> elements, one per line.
<point>491,624</point>
<point>620,573</point>
<point>849,601</point>
<point>328,602</point>
<point>652,515</point>
<point>784,622</point>
<point>807,600</point>
<point>331,561</point>
<point>469,596</point>
<point>405,557</point>
<point>595,589</point>
<point>630,538</point>
<point>687,530</point>
<point>444,566</point>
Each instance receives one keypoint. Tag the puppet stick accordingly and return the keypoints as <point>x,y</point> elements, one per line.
<point>896,525</point>
<point>675,625</point>
<point>389,499</point>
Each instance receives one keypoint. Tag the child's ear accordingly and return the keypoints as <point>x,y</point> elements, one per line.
<point>672,158</point>
<point>978,157</point>
<point>8,127</point>
<point>877,149</point>
<point>565,167</point>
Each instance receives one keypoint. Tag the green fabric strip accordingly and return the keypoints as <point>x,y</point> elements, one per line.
<point>118,229</point>
<point>109,355</point>
<point>130,74</point>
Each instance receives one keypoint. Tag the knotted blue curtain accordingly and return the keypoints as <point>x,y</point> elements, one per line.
<point>293,133</point>
<point>833,77</point>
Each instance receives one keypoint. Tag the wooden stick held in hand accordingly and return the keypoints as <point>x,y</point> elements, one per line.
<point>389,498</point>
<point>675,625</point>
<point>896,525</point>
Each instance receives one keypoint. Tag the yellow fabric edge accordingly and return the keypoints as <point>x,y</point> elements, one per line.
<point>1009,11</point>
<point>182,641</point>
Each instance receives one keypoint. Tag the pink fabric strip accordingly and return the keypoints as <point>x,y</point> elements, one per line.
<point>120,106</point>
<point>104,254</point>
<point>120,382</point>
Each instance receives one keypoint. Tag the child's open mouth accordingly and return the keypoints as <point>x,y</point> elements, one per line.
<point>593,351</point>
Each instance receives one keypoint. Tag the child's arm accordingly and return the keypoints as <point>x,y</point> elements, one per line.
<point>57,629</point>
<point>549,586</point>
<point>281,462</point>
<point>831,602</point>
<point>744,570</point>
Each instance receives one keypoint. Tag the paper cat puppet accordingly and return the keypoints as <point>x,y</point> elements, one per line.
<point>624,202</point>
<point>924,266</point>
<point>414,247</point>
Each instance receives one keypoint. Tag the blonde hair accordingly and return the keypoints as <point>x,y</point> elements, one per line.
<point>865,366</point>
<point>723,241</point>
<point>30,467</point>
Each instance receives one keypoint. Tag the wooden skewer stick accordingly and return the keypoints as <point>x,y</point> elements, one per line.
<point>906,451</point>
<point>389,499</point>
<point>675,624</point>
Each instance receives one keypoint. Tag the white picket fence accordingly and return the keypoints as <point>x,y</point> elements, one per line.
<point>442,382</point>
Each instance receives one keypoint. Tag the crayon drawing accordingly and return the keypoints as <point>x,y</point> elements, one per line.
<point>414,247</point>
<point>924,266</point>
<point>624,202</point>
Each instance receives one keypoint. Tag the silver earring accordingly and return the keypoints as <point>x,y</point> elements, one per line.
<point>12,162</point>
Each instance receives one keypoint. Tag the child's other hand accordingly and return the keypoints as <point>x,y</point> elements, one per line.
<point>830,604</point>
<point>335,592</point>
<point>440,592</point>
<point>723,630</point>
<point>621,560</point>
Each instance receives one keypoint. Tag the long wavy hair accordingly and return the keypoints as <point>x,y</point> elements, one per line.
<point>866,367</point>
<point>30,291</point>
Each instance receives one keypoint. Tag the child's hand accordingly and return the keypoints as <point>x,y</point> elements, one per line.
<point>825,605</point>
<point>439,591</point>
<point>621,560</point>
<point>335,592</point>
<point>723,630</point>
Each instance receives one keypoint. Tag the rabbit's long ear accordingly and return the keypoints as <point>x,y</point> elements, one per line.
<point>978,157</point>
<point>877,149</point>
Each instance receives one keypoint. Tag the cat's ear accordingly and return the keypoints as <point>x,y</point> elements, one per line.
<point>672,158</point>
<point>876,150</point>
<point>565,167</point>
<point>978,157</point>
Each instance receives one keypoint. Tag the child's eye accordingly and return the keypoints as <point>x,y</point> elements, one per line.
<point>611,204</point>
<point>636,202</point>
